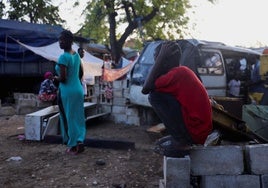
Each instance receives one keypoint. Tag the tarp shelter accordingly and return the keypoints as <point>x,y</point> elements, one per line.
<point>26,43</point>
<point>92,65</point>
<point>35,35</point>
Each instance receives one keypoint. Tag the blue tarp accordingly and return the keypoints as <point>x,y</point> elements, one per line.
<point>36,35</point>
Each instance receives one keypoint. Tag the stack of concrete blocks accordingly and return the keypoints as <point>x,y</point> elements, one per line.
<point>122,111</point>
<point>97,92</point>
<point>25,103</point>
<point>93,92</point>
<point>219,166</point>
<point>90,93</point>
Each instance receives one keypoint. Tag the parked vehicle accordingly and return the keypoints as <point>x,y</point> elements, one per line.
<point>213,62</point>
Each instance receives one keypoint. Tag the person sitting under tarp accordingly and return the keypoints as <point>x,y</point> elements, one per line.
<point>48,91</point>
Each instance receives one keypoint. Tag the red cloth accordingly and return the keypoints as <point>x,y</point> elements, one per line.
<point>192,95</point>
<point>47,75</point>
<point>47,97</point>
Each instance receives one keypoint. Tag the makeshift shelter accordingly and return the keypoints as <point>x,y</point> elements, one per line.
<point>31,34</point>
<point>21,70</point>
<point>92,65</point>
<point>28,50</point>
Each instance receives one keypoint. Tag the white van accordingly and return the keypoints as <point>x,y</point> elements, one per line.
<point>214,63</point>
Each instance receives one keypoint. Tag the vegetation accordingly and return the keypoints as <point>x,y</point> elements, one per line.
<point>145,20</point>
<point>33,11</point>
<point>111,22</point>
<point>2,7</point>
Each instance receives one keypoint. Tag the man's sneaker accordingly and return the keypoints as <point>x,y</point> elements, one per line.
<point>169,147</point>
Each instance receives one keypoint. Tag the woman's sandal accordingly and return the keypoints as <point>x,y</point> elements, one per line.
<point>80,147</point>
<point>72,151</point>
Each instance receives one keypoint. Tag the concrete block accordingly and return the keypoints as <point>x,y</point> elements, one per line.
<point>230,181</point>
<point>119,118</point>
<point>126,93</point>
<point>7,111</point>
<point>104,99</point>
<point>125,83</point>
<point>118,109</point>
<point>264,181</point>
<point>161,183</point>
<point>132,111</point>
<point>16,95</point>
<point>257,158</point>
<point>176,172</point>
<point>106,108</point>
<point>26,102</point>
<point>119,101</point>
<point>133,120</point>
<point>212,160</point>
<point>118,84</point>
<point>95,99</point>
<point>97,90</point>
<point>22,110</point>
<point>31,96</point>
<point>118,93</point>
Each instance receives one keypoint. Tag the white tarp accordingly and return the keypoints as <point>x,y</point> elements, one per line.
<point>92,65</point>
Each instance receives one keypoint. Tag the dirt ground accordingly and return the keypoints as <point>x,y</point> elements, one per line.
<point>38,164</point>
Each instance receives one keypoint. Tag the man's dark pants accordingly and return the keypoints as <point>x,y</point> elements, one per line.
<point>169,111</point>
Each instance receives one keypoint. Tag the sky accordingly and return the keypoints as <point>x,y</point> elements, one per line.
<point>233,22</point>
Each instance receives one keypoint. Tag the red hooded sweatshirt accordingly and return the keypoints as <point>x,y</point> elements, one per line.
<point>182,83</point>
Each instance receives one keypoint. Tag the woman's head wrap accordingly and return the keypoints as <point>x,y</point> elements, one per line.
<point>47,74</point>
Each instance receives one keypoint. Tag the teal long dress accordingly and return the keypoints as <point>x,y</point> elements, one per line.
<point>71,101</point>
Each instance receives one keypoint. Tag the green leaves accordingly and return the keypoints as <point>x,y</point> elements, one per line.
<point>34,11</point>
<point>169,16</point>
<point>114,21</point>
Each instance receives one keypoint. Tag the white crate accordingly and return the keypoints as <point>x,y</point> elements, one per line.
<point>52,126</point>
<point>45,121</point>
<point>36,122</point>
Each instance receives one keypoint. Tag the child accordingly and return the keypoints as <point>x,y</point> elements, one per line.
<point>234,86</point>
<point>48,91</point>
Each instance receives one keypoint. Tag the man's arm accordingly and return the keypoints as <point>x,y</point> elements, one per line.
<point>156,71</point>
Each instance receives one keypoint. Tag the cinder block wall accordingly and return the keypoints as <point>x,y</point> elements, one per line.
<point>218,166</point>
<point>25,103</point>
<point>229,166</point>
<point>113,97</point>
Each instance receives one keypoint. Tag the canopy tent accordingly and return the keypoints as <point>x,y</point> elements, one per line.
<point>24,42</point>
<point>31,34</point>
<point>92,65</point>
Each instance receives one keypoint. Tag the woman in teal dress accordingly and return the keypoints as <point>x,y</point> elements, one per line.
<point>70,96</point>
